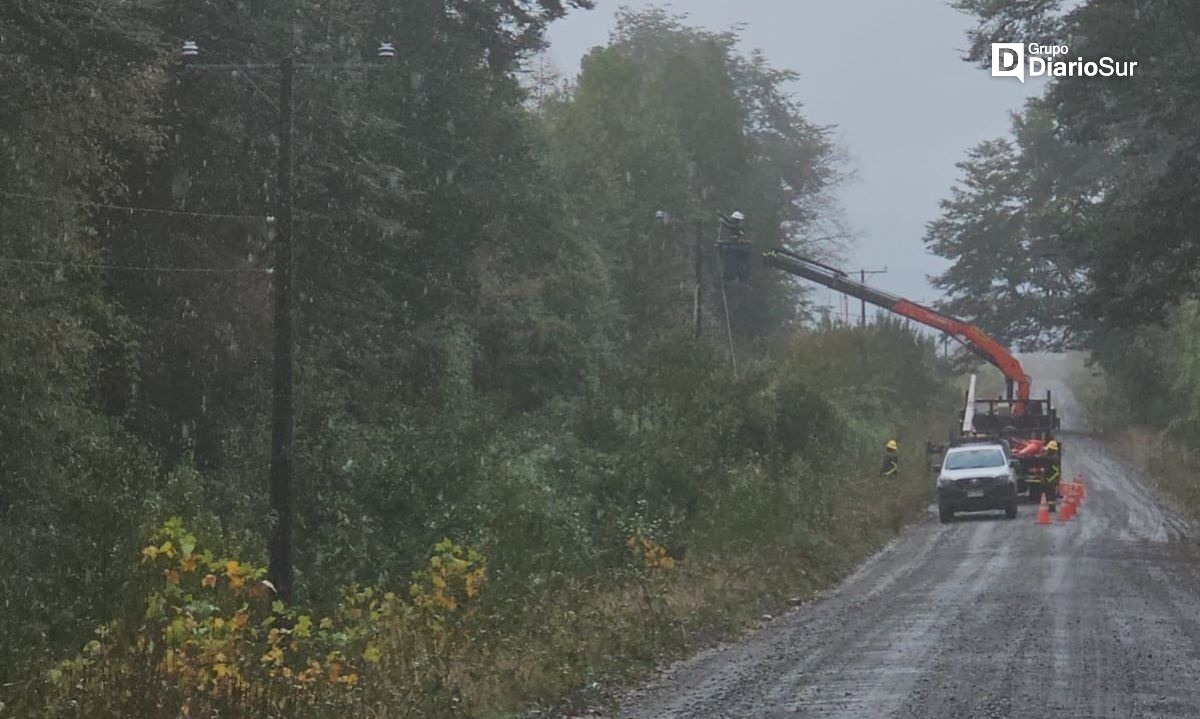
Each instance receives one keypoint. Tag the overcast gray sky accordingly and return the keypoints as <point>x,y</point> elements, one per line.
<point>889,75</point>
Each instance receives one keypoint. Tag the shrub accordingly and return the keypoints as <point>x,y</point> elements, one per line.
<point>210,641</point>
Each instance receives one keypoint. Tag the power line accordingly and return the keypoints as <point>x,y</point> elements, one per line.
<point>135,268</point>
<point>347,251</point>
<point>129,208</point>
<point>261,93</point>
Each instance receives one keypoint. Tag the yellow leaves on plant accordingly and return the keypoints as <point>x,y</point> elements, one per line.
<point>303,626</point>
<point>339,675</point>
<point>473,581</point>
<point>176,631</point>
<point>652,554</point>
<point>209,646</point>
<point>372,653</point>
<point>169,663</point>
<point>235,573</point>
<point>310,674</point>
<point>455,574</point>
<point>213,644</point>
<point>274,656</point>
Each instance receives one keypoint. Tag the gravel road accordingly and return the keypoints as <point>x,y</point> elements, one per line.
<point>986,617</point>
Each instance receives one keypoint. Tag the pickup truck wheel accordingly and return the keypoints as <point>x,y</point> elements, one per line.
<point>945,514</point>
<point>1010,510</point>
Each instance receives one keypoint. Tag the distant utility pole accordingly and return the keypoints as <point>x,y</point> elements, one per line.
<point>698,300</point>
<point>862,277</point>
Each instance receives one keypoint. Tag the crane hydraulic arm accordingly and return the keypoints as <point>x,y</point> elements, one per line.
<point>981,344</point>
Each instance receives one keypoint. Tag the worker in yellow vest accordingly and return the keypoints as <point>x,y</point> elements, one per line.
<point>891,459</point>
<point>1053,473</point>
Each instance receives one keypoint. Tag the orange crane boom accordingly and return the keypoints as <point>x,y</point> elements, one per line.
<point>985,347</point>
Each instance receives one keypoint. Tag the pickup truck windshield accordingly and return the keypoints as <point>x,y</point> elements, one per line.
<point>975,459</point>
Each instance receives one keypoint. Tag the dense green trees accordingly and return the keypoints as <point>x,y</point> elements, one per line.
<point>74,99</point>
<point>671,119</point>
<point>1116,154</point>
<point>494,330</point>
<point>1005,226</point>
<point>1081,229</point>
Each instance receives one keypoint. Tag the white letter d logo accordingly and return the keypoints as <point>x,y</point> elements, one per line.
<point>1008,60</point>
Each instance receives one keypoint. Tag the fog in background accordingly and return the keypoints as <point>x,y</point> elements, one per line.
<point>889,75</point>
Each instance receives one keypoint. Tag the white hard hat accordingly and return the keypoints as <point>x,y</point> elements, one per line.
<point>738,216</point>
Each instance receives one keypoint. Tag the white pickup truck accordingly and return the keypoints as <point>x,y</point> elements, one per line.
<point>976,478</point>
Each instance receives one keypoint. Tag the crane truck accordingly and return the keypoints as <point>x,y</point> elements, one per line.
<point>1023,423</point>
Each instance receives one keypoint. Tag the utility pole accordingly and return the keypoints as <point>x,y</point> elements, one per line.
<point>721,237</point>
<point>282,472</point>
<point>862,277</point>
<point>282,415</point>
<point>698,301</point>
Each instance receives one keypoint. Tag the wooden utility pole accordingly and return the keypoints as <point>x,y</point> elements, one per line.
<point>698,300</point>
<point>862,318</point>
<point>862,277</point>
<point>283,413</point>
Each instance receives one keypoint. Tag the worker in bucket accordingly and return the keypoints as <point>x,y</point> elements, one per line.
<point>891,459</point>
<point>1053,473</point>
<point>734,248</point>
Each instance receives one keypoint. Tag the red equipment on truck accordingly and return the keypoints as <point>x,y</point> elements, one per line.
<point>1024,423</point>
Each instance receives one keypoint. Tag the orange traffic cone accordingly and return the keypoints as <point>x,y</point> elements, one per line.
<point>1067,512</point>
<point>1043,516</point>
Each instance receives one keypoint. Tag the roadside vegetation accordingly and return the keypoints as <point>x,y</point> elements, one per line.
<point>520,472</point>
<point>774,498</point>
<point>1143,395</point>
